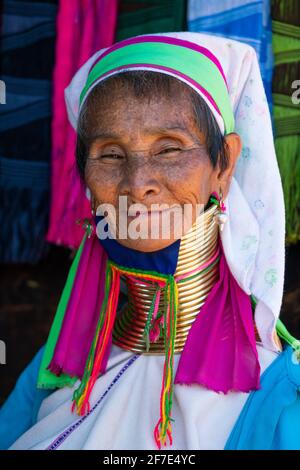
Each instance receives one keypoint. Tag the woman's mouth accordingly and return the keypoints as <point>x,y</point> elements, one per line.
<point>153,213</point>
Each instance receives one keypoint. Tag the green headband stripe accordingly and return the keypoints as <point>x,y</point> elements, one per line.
<point>196,67</point>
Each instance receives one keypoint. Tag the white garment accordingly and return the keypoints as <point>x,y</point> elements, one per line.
<point>126,417</point>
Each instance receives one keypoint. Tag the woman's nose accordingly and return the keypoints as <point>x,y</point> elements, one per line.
<point>139,183</point>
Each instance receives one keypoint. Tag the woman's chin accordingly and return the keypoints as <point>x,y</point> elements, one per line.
<point>146,246</point>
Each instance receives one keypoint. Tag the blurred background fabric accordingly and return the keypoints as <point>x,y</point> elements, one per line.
<point>247,21</point>
<point>28,35</point>
<point>286,47</point>
<point>42,44</point>
<point>82,28</point>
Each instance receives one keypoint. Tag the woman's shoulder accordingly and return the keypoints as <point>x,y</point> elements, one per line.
<point>20,409</point>
<point>270,418</point>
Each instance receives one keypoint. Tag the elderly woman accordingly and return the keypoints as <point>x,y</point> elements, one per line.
<point>169,340</point>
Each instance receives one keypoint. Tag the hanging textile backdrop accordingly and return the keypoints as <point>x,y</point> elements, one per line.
<point>83,27</point>
<point>150,16</point>
<point>26,64</point>
<point>248,21</point>
<point>286,46</point>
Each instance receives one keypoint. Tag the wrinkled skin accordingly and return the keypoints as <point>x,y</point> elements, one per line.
<point>134,160</point>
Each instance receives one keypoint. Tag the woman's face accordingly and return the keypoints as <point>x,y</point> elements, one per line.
<point>151,151</point>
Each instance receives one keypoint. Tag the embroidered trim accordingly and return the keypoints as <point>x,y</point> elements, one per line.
<point>65,434</point>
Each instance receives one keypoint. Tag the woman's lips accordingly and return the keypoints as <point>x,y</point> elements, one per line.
<point>151,213</point>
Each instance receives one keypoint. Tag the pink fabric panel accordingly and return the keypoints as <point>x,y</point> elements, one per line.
<point>83,27</point>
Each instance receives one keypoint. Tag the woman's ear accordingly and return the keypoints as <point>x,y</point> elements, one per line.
<point>234,147</point>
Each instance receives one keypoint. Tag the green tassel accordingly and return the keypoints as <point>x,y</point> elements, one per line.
<point>282,331</point>
<point>284,334</point>
<point>91,357</point>
<point>149,318</point>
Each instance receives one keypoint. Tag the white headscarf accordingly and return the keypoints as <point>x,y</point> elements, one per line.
<point>254,235</point>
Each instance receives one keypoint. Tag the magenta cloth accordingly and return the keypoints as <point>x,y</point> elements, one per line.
<point>220,351</point>
<point>82,313</point>
<point>83,27</point>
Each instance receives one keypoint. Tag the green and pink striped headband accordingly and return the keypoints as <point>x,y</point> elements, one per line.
<point>185,60</point>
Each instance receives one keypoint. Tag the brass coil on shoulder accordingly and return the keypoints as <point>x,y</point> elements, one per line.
<point>197,246</point>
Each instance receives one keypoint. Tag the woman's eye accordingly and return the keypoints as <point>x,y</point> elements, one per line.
<point>170,150</point>
<point>113,156</point>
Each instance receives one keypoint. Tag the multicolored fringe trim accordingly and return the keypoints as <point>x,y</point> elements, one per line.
<point>104,328</point>
<point>100,341</point>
